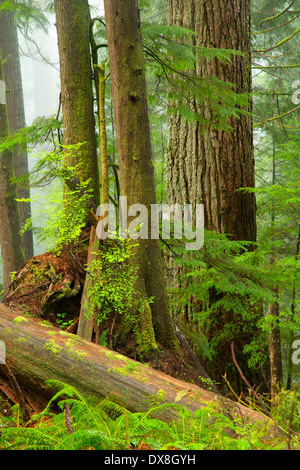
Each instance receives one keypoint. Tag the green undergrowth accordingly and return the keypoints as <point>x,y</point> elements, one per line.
<point>94,424</point>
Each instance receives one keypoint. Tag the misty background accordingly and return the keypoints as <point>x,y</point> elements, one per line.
<point>41,88</point>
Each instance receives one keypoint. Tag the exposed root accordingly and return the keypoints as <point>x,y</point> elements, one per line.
<point>50,285</point>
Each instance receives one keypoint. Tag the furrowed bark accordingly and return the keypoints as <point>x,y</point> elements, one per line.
<point>209,165</point>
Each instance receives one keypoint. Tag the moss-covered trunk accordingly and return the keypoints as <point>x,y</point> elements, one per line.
<point>37,352</point>
<point>136,169</point>
<point>72,22</point>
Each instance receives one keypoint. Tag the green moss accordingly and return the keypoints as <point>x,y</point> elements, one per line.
<point>180,395</point>
<point>21,340</point>
<point>19,320</point>
<point>158,399</point>
<point>7,330</point>
<point>127,370</point>
<point>46,323</point>
<point>63,333</point>
<point>75,354</point>
<point>115,356</point>
<point>53,347</point>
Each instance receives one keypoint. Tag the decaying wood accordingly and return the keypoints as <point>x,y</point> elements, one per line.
<point>17,390</point>
<point>37,351</point>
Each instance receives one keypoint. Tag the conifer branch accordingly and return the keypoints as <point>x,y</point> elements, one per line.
<point>275,118</point>
<point>278,14</point>
<point>280,43</point>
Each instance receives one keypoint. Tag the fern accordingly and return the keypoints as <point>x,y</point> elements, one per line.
<point>105,425</point>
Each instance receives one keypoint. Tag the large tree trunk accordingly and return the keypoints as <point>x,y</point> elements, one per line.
<point>9,45</point>
<point>206,165</point>
<point>209,166</point>
<point>37,352</point>
<point>136,169</point>
<point>10,238</point>
<point>73,23</point>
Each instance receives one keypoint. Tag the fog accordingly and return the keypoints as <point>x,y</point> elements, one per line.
<point>40,69</point>
<point>41,87</point>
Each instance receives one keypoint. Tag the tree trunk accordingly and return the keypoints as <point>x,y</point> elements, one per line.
<point>73,23</point>
<point>100,71</point>
<point>209,166</point>
<point>289,379</point>
<point>136,169</point>
<point>37,352</point>
<point>9,45</point>
<point>276,373</point>
<point>10,238</point>
<point>206,165</point>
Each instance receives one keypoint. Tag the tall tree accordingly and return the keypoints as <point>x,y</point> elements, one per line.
<point>136,169</point>
<point>209,165</point>
<point>214,164</point>
<point>10,238</point>
<point>73,26</point>
<point>9,45</point>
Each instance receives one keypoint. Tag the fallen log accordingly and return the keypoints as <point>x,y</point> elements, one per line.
<point>37,351</point>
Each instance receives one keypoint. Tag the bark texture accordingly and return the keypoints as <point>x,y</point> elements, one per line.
<point>9,45</point>
<point>73,23</point>
<point>10,238</point>
<point>37,352</point>
<point>209,166</point>
<point>206,165</point>
<point>136,167</point>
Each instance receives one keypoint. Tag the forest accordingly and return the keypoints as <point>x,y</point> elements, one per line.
<point>150,227</point>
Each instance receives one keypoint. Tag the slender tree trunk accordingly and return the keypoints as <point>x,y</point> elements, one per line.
<point>276,373</point>
<point>289,379</point>
<point>73,31</point>
<point>10,238</point>
<point>100,70</point>
<point>208,166</point>
<point>9,45</point>
<point>136,168</point>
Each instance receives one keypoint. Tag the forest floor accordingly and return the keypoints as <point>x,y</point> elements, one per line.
<point>49,287</point>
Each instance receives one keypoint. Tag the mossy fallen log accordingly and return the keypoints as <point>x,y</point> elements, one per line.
<point>37,351</point>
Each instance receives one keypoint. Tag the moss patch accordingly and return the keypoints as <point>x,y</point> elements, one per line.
<point>19,320</point>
